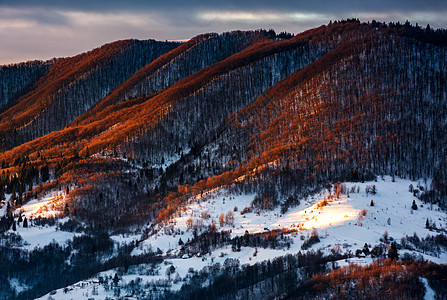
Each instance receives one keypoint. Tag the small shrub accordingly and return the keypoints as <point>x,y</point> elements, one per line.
<point>414,205</point>
<point>314,239</point>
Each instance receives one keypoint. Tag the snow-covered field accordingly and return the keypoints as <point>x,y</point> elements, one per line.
<point>39,236</point>
<point>344,223</point>
<point>347,219</point>
<point>45,207</point>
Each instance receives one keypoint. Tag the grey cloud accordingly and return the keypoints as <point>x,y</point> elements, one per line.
<point>43,29</point>
<point>327,6</point>
<point>38,15</point>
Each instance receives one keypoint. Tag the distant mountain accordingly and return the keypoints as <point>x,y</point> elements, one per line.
<point>71,86</point>
<point>128,133</point>
<point>17,79</point>
<point>343,101</point>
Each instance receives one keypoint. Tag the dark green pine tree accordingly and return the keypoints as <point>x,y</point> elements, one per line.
<point>45,173</point>
<point>233,245</point>
<point>366,249</point>
<point>414,206</point>
<point>25,223</point>
<point>392,251</point>
<point>13,196</point>
<point>66,210</point>
<point>116,279</point>
<point>2,194</point>
<point>8,210</point>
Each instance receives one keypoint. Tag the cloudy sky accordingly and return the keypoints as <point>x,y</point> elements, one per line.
<point>42,29</point>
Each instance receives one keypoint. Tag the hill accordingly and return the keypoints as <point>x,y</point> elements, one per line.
<point>277,156</point>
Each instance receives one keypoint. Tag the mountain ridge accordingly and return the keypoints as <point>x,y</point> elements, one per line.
<point>69,76</point>
<point>137,123</point>
<point>184,147</point>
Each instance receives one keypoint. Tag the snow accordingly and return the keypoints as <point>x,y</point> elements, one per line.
<point>342,219</point>
<point>430,294</point>
<point>3,205</point>
<point>344,224</point>
<point>363,261</point>
<point>46,207</point>
<point>124,238</point>
<point>17,285</point>
<point>339,212</point>
<point>80,290</point>
<point>40,236</point>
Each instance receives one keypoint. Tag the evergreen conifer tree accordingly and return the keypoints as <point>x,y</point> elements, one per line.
<point>2,194</point>
<point>414,205</point>
<point>66,210</point>
<point>392,252</point>
<point>116,279</point>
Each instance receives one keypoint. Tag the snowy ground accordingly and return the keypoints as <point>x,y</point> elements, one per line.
<point>40,236</point>
<point>430,293</point>
<point>348,219</point>
<point>3,205</point>
<point>344,224</point>
<point>49,206</point>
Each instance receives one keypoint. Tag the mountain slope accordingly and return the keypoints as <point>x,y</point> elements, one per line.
<point>340,118</point>
<point>190,57</point>
<point>308,124</point>
<point>156,125</point>
<point>71,86</point>
<point>231,153</point>
<point>16,79</point>
<point>151,108</point>
<point>373,122</point>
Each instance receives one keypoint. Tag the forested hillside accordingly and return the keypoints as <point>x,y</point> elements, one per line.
<point>73,85</point>
<point>344,101</point>
<point>17,79</point>
<point>190,57</point>
<point>372,107</point>
<point>148,138</point>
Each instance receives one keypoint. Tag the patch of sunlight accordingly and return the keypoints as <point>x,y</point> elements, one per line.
<point>45,208</point>
<point>336,212</point>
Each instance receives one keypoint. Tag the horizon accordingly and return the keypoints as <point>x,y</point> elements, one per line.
<point>55,29</point>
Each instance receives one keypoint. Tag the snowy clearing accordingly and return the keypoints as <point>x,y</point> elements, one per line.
<point>344,223</point>
<point>350,218</point>
<point>47,207</point>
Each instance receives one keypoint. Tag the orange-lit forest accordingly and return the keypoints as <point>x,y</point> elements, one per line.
<point>128,133</point>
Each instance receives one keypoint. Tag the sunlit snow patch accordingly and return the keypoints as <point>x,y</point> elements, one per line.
<point>50,206</point>
<point>335,212</point>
